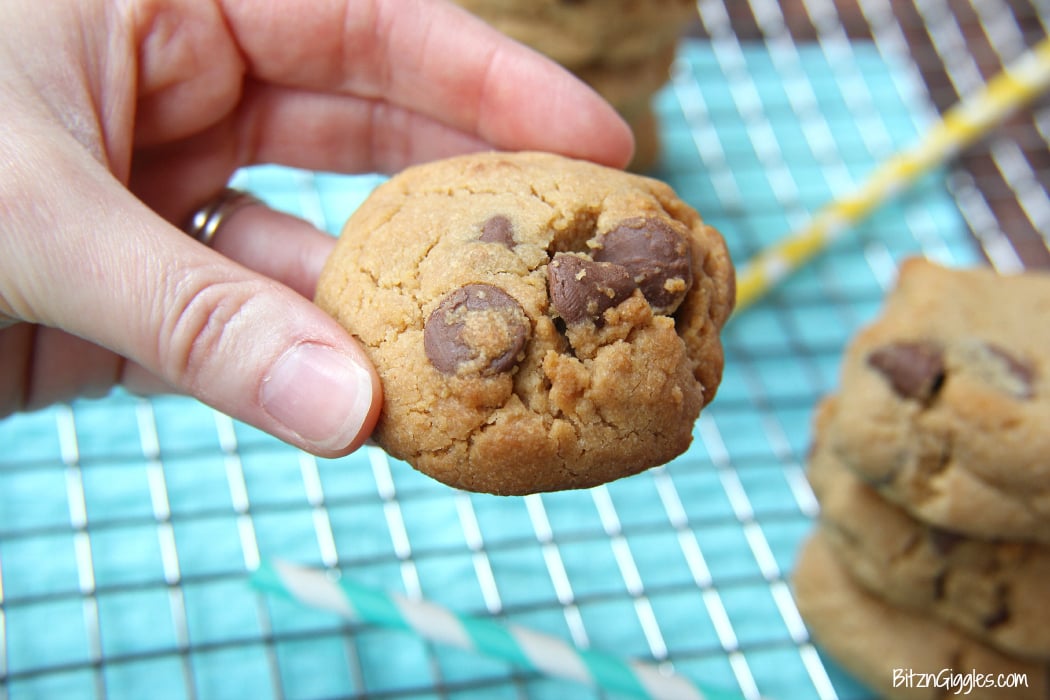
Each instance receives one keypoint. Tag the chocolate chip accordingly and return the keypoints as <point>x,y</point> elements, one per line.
<point>476,328</point>
<point>915,370</point>
<point>656,256</point>
<point>943,541</point>
<point>498,229</point>
<point>999,616</point>
<point>940,585</point>
<point>581,289</point>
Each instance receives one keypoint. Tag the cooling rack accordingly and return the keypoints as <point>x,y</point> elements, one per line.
<point>128,526</point>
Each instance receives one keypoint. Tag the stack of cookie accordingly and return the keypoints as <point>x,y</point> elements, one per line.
<point>930,569</point>
<point>621,48</point>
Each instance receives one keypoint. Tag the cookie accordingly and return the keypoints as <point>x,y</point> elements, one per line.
<point>630,88</point>
<point>944,403</point>
<point>621,48</point>
<point>539,323</point>
<point>994,590</point>
<point>586,33</point>
<point>647,145</point>
<point>897,652</point>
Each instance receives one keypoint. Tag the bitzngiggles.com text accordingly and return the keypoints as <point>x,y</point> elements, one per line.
<point>956,682</point>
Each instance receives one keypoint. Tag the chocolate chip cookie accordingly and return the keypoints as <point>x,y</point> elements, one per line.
<point>539,323</point>
<point>897,652</point>
<point>590,33</point>
<point>994,590</point>
<point>622,48</point>
<point>944,405</point>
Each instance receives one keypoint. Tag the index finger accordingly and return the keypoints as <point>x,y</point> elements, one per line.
<point>434,58</point>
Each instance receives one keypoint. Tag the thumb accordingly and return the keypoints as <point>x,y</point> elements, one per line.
<point>88,257</point>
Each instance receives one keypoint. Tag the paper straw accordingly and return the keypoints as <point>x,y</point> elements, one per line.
<point>963,123</point>
<point>527,649</point>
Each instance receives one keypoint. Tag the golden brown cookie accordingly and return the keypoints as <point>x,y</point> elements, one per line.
<point>584,33</point>
<point>647,146</point>
<point>897,652</point>
<point>994,590</point>
<point>944,405</point>
<point>539,323</point>
<point>629,88</point>
<point>622,48</point>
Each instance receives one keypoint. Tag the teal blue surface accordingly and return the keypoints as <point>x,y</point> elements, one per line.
<point>148,596</point>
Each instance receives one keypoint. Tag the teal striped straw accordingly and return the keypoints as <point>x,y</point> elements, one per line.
<point>524,648</point>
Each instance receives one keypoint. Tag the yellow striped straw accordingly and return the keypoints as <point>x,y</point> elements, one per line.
<point>963,123</point>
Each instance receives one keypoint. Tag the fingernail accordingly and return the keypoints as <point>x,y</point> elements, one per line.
<point>320,394</point>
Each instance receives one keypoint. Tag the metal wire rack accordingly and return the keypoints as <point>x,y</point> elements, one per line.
<point>128,525</point>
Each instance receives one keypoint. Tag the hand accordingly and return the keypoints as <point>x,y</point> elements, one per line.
<point>121,117</point>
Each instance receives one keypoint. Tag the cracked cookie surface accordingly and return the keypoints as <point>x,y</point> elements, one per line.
<point>945,401</point>
<point>539,323</point>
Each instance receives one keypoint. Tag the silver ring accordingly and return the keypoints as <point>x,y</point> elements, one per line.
<point>205,222</point>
